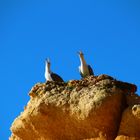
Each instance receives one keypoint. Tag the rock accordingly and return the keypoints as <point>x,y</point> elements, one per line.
<point>130,124</point>
<point>87,109</point>
<point>136,111</point>
<point>122,137</point>
<point>132,99</point>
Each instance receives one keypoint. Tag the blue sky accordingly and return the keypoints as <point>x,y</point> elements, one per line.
<point>108,32</point>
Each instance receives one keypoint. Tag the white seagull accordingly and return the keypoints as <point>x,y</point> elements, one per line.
<point>50,76</point>
<point>84,68</point>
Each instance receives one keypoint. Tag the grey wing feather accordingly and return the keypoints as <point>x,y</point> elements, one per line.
<point>90,70</point>
<point>56,77</point>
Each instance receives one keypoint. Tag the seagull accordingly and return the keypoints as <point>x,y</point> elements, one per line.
<point>50,76</point>
<point>84,68</point>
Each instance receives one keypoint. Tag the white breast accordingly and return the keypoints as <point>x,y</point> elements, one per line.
<point>48,75</point>
<point>84,69</point>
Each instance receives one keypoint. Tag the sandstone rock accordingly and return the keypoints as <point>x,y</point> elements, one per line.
<point>132,99</point>
<point>87,109</point>
<point>122,137</point>
<point>130,124</point>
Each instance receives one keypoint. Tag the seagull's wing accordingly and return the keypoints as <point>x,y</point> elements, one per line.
<point>56,77</point>
<point>90,70</point>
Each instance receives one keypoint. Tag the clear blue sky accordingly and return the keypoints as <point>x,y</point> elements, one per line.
<point>108,32</point>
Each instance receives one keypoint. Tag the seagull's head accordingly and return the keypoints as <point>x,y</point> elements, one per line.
<point>48,61</point>
<point>80,53</point>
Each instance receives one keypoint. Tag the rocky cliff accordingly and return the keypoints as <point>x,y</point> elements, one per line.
<point>94,108</point>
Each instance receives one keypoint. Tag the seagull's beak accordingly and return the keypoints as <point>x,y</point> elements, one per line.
<point>80,52</point>
<point>47,60</point>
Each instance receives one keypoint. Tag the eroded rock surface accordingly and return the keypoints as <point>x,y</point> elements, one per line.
<point>130,124</point>
<point>87,109</point>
